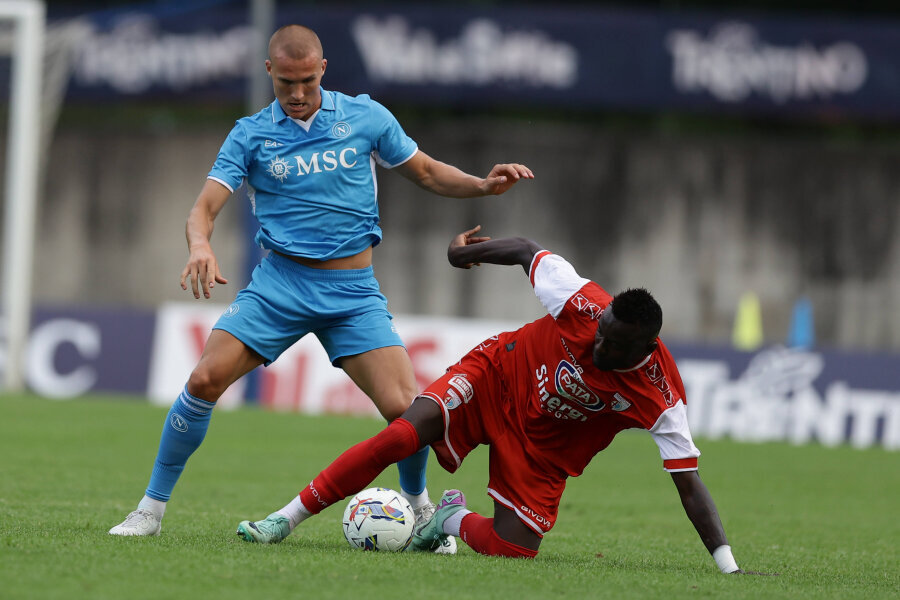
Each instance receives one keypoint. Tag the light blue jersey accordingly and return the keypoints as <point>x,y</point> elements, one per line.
<point>313,189</point>
<point>312,184</point>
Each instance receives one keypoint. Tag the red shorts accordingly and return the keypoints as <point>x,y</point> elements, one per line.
<point>478,409</point>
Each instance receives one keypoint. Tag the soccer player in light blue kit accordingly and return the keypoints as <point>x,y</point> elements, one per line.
<point>309,161</point>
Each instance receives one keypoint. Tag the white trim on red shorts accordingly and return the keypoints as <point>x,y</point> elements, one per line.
<point>522,516</point>
<point>446,413</point>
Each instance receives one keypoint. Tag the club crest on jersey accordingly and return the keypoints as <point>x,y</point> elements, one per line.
<point>279,168</point>
<point>570,385</point>
<point>341,129</point>
<point>620,403</point>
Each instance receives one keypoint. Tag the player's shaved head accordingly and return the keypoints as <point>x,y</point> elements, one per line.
<point>295,41</point>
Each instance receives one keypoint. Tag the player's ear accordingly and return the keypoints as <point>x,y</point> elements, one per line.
<point>324,64</point>
<point>652,345</point>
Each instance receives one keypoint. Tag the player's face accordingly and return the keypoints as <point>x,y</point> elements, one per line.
<point>619,345</point>
<point>296,83</point>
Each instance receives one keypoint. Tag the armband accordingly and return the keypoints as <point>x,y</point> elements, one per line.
<point>725,559</point>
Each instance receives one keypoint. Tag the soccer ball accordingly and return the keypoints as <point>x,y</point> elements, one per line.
<point>379,519</point>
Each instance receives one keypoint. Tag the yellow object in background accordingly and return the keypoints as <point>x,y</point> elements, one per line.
<point>747,334</point>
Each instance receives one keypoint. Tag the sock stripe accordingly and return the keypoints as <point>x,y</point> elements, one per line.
<point>194,404</point>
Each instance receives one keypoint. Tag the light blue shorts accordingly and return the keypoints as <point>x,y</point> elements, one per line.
<point>285,300</point>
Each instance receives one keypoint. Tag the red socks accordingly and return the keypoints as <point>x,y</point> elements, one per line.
<point>478,532</point>
<point>353,470</point>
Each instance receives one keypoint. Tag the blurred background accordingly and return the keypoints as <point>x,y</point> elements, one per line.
<point>738,159</point>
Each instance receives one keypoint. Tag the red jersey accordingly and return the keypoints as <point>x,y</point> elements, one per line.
<point>561,407</point>
<point>536,399</point>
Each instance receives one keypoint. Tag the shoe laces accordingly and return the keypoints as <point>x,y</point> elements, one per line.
<point>424,513</point>
<point>136,516</point>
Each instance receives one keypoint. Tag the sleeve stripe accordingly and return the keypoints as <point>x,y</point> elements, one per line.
<point>221,181</point>
<point>680,464</point>
<point>534,263</point>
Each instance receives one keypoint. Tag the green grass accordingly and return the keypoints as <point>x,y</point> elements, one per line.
<point>826,519</point>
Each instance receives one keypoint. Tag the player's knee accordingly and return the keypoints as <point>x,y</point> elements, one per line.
<point>394,403</point>
<point>204,384</point>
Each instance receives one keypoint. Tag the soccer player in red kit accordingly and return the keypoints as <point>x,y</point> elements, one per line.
<point>545,398</point>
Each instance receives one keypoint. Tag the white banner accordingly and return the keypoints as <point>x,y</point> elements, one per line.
<point>303,379</point>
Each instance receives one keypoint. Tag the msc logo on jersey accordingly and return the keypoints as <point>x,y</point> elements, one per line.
<point>570,385</point>
<point>341,129</point>
<point>279,168</point>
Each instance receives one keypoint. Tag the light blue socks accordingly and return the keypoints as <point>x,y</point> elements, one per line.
<point>183,432</point>
<point>412,472</point>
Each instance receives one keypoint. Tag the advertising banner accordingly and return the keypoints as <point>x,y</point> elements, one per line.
<point>774,394</point>
<point>71,352</point>
<point>528,57</point>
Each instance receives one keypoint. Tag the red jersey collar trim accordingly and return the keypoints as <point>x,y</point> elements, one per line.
<point>635,367</point>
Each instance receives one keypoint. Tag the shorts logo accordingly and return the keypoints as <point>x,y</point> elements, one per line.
<point>451,399</point>
<point>462,385</point>
<point>341,129</point>
<point>543,521</point>
<point>232,310</point>
<point>279,168</point>
<point>570,385</point>
<point>178,423</point>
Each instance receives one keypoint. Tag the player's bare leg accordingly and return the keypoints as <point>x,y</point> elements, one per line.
<point>511,529</point>
<point>386,375</point>
<point>224,360</point>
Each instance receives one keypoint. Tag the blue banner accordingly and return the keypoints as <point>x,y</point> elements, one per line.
<point>528,57</point>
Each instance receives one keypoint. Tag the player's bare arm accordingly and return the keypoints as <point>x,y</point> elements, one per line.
<point>467,249</point>
<point>202,267</point>
<point>446,180</point>
<point>701,510</point>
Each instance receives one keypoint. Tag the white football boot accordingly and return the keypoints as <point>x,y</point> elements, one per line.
<point>139,522</point>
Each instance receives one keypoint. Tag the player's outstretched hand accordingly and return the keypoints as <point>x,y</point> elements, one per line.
<point>203,270</point>
<point>466,238</point>
<point>502,177</point>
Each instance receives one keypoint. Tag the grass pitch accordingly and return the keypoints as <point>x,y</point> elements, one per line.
<point>826,519</point>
